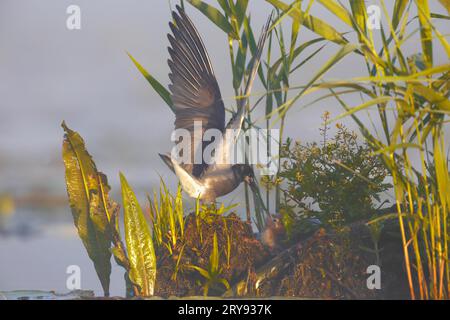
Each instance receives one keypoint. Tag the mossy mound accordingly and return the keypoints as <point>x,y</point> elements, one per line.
<point>239,252</point>
<point>331,265</point>
<point>325,265</point>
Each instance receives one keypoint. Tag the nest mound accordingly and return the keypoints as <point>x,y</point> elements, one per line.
<point>233,235</point>
<point>325,265</point>
<point>332,265</point>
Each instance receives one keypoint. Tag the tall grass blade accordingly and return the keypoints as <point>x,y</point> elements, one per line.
<point>216,17</point>
<point>312,23</point>
<point>158,87</point>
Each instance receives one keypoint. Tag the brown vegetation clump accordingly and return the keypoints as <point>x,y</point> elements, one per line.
<point>333,265</point>
<point>239,252</point>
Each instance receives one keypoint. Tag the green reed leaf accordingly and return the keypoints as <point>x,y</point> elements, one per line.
<point>158,87</point>
<point>216,17</point>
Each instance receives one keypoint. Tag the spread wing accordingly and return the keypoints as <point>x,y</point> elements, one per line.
<point>235,124</point>
<point>195,91</point>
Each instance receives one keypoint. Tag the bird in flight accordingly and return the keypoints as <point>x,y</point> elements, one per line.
<point>196,99</point>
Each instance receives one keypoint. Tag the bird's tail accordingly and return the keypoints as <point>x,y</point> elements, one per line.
<point>167,160</point>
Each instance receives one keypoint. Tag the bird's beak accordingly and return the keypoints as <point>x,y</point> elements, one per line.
<point>251,182</point>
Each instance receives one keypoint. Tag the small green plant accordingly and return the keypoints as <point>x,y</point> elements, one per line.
<point>167,217</point>
<point>168,222</point>
<point>336,180</point>
<point>213,273</point>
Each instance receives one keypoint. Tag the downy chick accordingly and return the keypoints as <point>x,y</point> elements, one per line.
<point>274,234</point>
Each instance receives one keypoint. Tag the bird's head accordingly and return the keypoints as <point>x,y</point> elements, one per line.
<point>245,173</point>
<point>242,171</point>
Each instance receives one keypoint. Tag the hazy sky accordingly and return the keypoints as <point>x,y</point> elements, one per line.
<point>49,73</point>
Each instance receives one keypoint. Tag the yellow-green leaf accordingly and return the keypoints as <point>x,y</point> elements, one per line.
<point>158,87</point>
<point>216,17</point>
<point>360,16</point>
<point>432,96</point>
<point>312,23</point>
<point>138,238</point>
<point>425,31</point>
<point>399,9</point>
<point>88,197</point>
<point>338,11</point>
<point>446,4</point>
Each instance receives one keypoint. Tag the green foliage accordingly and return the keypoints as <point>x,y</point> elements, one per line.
<point>158,87</point>
<point>141,253</point>
<point>88,191</point>
<point>339,175</point>
<point>216,17</point>
<point>212,273</point>
<point>411,97</point>
<point>96,215</point>
<point>167,217</point>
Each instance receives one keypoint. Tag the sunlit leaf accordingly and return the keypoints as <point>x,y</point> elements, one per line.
<point>399,9</point>
<point>446,4</point>
<point>88,197</point>
<point>139,242</point>
<point>216,17</point>
<point>312,23</point>
<point>425,31</point>
<point>158,87</point>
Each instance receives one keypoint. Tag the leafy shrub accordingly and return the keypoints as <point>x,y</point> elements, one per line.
<point>335,181</point>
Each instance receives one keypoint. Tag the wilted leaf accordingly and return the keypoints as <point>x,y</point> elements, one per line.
<point>138,238</point>
<point>88,196</point>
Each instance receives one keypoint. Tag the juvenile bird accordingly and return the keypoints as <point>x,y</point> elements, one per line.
<point>196,98</point>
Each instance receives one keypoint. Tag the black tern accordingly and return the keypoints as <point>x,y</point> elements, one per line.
<point>196,98</point>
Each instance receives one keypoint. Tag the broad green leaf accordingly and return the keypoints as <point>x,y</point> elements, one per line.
<point>88,197</point>
<point>158,87</point>
<point>216,17</point>
<point>141,252</point>
<point>312,23</point>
